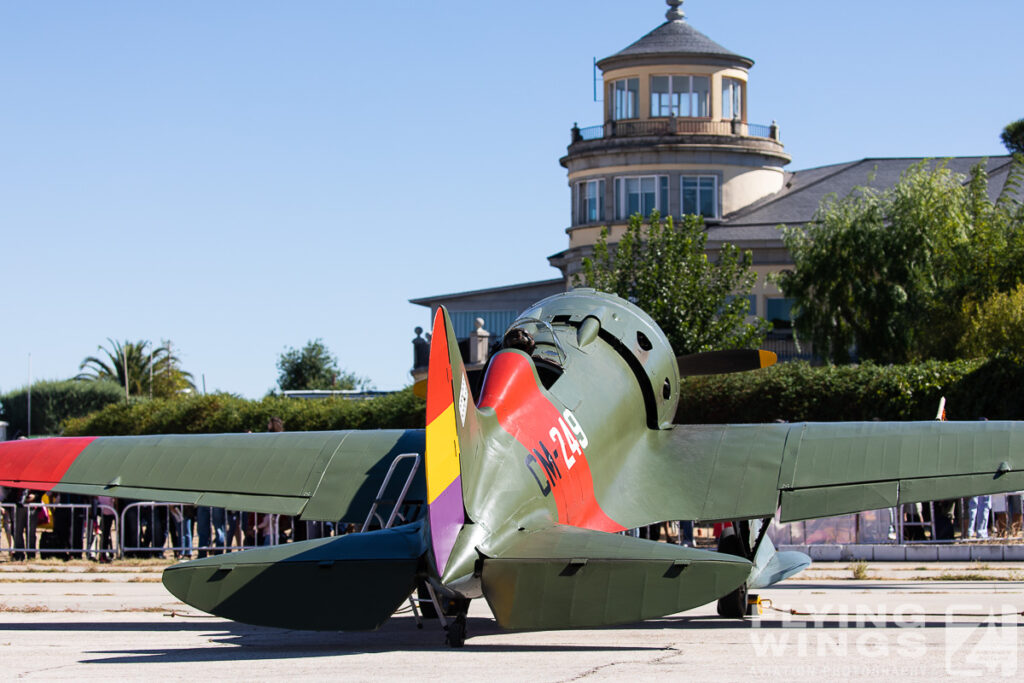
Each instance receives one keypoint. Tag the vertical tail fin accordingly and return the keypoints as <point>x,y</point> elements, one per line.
<point>448,402</point>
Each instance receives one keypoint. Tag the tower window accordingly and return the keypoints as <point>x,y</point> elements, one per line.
<point>625,94</point>
<point>640,194</point>
<point>679,95</point>
<point>700,195</point>
<point>590,206</point>
<point>732,98</point>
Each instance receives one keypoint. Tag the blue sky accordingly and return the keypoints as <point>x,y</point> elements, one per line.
<point>240,177</point>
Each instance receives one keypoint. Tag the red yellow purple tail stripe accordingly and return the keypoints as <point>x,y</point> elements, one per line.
<point>447,404</point>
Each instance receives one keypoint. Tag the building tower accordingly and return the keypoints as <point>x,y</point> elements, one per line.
<point>675,138</point>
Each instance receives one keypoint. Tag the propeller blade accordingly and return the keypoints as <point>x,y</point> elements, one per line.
<point>722,362</point>
<point>419,388</point>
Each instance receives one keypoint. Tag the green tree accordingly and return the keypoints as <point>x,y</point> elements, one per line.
<point>1013,137</point>
<point>150,370</point>
<point>314,367</point>
<point>995,326</point>
<point>700,303</point>
<point>55,401</point>
<point>888,272</point>
<point>169,379</point>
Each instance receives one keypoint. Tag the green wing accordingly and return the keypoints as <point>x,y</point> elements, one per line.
<point>807,470</point>
<point>320,475</point>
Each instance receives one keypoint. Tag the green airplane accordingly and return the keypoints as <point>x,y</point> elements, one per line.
<point>525,490</point>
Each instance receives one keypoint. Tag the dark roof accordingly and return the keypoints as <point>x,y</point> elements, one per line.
<point>797,201</point>
<point>674,38</point>
<point>551,286</point>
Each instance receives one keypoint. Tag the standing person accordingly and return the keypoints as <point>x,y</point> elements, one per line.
<point>686,532</point>
<point>1014,513</point>
<point>20,527</point>
<point>234,523</point>
<point>106,512</point>
<point>945,514</point>
<point>63,521</point>
<point>210,519</point>
<point>154,531</point>
<point>25,525</point>
<point>7,519</point>
<point>978,509</point>
<point>266,529</point>
<point>78,526</point>
<point>180,523</point>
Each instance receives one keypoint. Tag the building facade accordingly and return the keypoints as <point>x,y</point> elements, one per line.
<point>676,139</point>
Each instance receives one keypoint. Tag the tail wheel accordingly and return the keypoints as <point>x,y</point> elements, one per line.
<point>456,636</point>
<point>456,630</point>
<point>733,605</point>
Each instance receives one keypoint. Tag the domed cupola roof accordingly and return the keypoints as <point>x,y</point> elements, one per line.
<point>675,41</point>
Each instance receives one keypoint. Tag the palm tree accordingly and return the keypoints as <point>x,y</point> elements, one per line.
<point>137,367</point>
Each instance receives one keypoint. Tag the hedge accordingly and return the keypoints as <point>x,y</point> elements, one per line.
<point>224,413</point>
<point>797,392</point>
<point>794,392</point>
<point>53,402</point>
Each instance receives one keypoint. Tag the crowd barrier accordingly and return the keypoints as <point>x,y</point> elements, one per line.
<point>33,532</point>
<point>132,531</point>
<point>98,531</point>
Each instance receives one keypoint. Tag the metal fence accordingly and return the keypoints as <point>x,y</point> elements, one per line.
<point>907,524</point>
<point>141,528</point>
<point>24,533</point>
<point>678,125</point>
<point>759,130</point>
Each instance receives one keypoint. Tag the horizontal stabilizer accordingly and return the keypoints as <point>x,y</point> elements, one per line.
<point>344,583</point>
<point>771,565</point>
<point>567,577</point>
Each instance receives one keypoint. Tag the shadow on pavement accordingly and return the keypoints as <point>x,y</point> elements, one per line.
<point>259,643</point>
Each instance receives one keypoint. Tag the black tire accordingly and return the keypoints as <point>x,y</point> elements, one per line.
<point>456,636</point>
<point>733,605</point>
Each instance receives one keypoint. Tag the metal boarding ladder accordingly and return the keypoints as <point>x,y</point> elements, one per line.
<point>414,600</point>
<point>398,502</point>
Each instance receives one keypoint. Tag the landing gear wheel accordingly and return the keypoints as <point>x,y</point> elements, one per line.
<point>733,605</point>
<point>456,636</point>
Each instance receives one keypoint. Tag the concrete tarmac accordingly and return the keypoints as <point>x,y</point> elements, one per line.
<point>86,622</point>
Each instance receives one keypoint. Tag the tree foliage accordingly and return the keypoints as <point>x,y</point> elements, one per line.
<point>889,272</point>
<point>55,402</point>
<point>799,392</point>
<point>314,367</point>
<point>150,370</point>
<point>1013,137</point>
<point>701,304</point>
<point>996,325</point>
<point>223,413</point>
